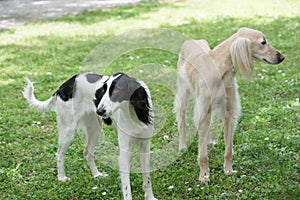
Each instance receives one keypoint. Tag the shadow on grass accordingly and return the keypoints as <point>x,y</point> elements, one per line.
<point>126,12</point>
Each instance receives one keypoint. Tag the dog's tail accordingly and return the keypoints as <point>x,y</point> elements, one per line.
<point>42,106</point>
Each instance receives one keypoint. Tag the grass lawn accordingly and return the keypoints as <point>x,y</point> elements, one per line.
<point>144,41</point>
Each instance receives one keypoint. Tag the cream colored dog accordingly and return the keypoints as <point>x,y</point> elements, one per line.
<point>210,76</point>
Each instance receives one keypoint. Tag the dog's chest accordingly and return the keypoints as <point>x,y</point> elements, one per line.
<point>130,124</point>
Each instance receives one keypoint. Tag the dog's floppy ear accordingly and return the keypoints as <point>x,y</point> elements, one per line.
<point>241,56</point>
<point>139,100</point>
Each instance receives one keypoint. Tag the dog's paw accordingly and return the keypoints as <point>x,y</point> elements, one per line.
<point>63,179</point>
<point>150,198</point>
<point>204,179</point>
<point>212,142</point>
<point>99,174</point>
<point>204,175</point>
<point>182,147</point>
<point>229,172</point>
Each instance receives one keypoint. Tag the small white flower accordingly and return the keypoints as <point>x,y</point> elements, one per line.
<point>141,71</point>
<point>189,189</point>
<point>103,193</point>
<point>166,137</point>
<point>170,187</point>
<point>267,138</point>
<point>186,183</point>
<point>138,57</point>
<point>49,73</point>
<point>104,175</point>
<point>38,123</point>
<point>166,61</point>
<point>94,188</point>
<point>240,190</point>
<point>279,71</point>
<point>131,57</point>
<point>243,176</point>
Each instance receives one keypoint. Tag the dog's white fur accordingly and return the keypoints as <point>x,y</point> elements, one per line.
<point>80,112</point>
<point>209,75</point>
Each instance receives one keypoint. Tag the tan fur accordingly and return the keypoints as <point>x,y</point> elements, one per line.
<point>210,76</point>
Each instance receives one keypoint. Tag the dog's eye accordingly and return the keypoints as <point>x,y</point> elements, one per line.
<point>264,42</point>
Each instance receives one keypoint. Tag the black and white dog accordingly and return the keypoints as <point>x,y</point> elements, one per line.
<point>121,101</point>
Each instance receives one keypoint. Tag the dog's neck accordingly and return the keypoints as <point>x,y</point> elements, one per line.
<point>222,57</point>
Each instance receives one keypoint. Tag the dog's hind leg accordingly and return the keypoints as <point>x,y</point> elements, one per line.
<point>180,105</point>
<point>125,146</point>
<point>93,129</point>
<point>144,147</point>
<point>66,134</point>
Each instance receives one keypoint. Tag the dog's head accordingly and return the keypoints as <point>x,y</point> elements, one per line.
<point>121,88</point>
<point>251,44</point>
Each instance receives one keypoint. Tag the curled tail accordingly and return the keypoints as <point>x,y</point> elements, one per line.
<point>42,106</point>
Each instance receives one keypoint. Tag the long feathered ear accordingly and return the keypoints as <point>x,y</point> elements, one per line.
<point>241,56</point>
<point>139,100</point>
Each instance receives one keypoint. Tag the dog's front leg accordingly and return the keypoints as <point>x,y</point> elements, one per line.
<point>202,117</point>
<point>231,115</point>
<point>125,145</point>
<point>144,147</point>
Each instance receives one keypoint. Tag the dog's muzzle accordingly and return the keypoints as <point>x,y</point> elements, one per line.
<point>101,111</point>
<point>280,57</point>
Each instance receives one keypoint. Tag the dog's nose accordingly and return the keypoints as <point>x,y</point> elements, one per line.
<point>101,111</point>
<point>280,57</point>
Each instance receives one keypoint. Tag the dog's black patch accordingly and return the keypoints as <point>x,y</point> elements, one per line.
<point>67,90</point>
<point>122,88</point>
<point>125,88</point>
<point>92,78</point>
<point>107,121</point>
<point>99,94</point>
<point>139,100</point>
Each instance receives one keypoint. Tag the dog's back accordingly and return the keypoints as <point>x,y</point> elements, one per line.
<point>78,91</point>
<point>192,48</point>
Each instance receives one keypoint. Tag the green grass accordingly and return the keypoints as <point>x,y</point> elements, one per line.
<point>49,52</point>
